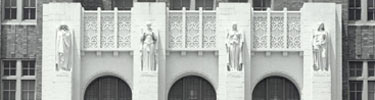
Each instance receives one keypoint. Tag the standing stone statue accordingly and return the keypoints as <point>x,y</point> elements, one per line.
<point>320,39</point>
<point>234,45</point>
<point>149,49</point>
<point>64,48</point>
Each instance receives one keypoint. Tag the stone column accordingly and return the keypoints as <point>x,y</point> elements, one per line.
<point>318,84</point>
<point>146,83</point>
<point>58,84</point>
<point>232,83</point>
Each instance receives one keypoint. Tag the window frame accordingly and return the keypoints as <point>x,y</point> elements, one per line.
<point>364,78</point>
<point>271,5</point>
<point>192,5</point>
<point>28,7</point>
<point>18,77</point>
<point>19,16</point>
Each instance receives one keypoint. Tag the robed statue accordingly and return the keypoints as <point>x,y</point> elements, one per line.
<point>64,48</point>
<point>234,43</point>
<point>149,50</point>
<point>320,45</point>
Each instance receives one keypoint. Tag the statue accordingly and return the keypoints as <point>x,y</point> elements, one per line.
<point>320,39</point>
<point>64,48</point>
<point>234,44</point>
<point>149,49</point>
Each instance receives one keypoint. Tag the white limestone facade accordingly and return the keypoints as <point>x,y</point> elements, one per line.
<point>192,43</point>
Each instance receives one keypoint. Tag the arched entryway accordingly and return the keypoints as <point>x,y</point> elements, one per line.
<point>275,88</point>
<point>108,88</point>
<point>192,88</point>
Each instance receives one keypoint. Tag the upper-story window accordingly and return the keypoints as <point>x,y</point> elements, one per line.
<point>27,9</point>
<point>192,4</point>
<point>371,9</point>
<point>237,1</point>
<point>10,9</point>
<point>261,4</point>
<point>357,9</point>
<point>205,4</point>
<point>107,4</point>
<point>178,4</point>
<point>146,0</point>
<point>354,9</point>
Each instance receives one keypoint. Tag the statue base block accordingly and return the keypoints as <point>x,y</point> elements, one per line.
<point>322,85</point>
<point>235,86</point>
<point>148,85</point>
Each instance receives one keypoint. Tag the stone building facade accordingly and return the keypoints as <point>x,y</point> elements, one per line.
<point>21,41</point>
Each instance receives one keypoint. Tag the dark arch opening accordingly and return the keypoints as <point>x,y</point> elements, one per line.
<point>108,88</point>
<point>192,88</point>
<point>275,88</point>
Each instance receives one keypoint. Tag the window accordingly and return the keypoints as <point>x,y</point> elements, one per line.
<point>19,10</point>
<point>28,90</point>
<point>205,4</point>
<point>10,9</point>
<point>178,4</point>
<point>28,68</point>
<point>29,9</point>
<point>9,68</point>
<point>15,85</point>
<point>237,0</point>
<point>9,90</point>
<point>355,69</point>
<point>261,4</point>
<point>355,90</point>
<point>357,78</point>
<point>371,68</point>
<point>354,9</point>
<point>107,4</point>
<point>371,90</point>
<point>146,0</point>
<point>370,9</point>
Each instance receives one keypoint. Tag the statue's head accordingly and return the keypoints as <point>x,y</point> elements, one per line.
<point>234,26</point>
<point>64,27</point>
<point>149,24</point>
<point>321,27</point>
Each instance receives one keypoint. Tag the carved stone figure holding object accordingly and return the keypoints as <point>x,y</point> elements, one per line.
<point>320,41</point>
<point>234,45</point>
<point>149,49</point>
<point>64,48</point>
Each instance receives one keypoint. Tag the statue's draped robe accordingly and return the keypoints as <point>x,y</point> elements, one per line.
<point>63,50</point>
<point>320,50</point>
<point>149,40</point>
<point>234,47</point>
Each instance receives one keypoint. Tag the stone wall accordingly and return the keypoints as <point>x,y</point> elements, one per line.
<point>33,43</point>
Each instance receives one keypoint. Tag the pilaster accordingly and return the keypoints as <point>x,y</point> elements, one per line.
<point>232,83</point>
<point>146,83</point>
<point>58,84</point>
<point>318,84</point>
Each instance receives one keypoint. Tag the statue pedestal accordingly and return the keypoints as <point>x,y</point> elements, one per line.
<point>321,85</point>
<point>235,85</point>
<point>63,81</point>
<point>148,86</point>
